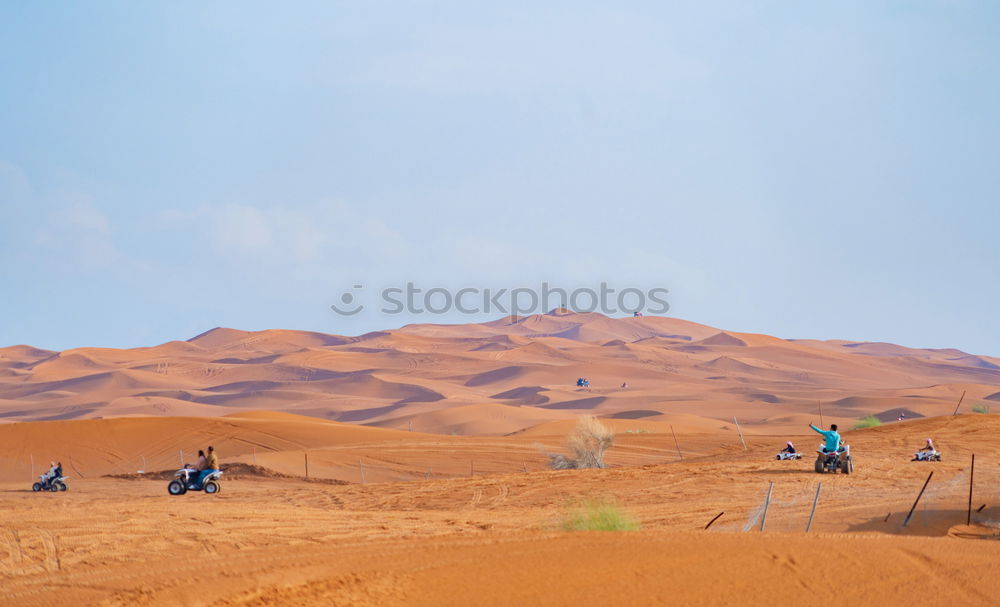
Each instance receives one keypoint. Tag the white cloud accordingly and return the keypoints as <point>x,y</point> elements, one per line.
<point>83,217</point>
<point>240,229</point>
<point>329,233</point>
<point>78,234</point>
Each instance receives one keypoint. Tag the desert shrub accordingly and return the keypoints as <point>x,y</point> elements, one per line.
<point>588,443</point>
<point>869,421</point>
<point>594,515</point>
<point>980,409</point>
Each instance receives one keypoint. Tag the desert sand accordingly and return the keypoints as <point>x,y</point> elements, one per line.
<point>428,481</point>
<point>498,377</point>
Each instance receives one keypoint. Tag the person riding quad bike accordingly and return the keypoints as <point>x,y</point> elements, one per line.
<point>927,453</point>
<point>53,480</point>
<point>833,455</point>
<point>54,472</point>
<point>789,452</point>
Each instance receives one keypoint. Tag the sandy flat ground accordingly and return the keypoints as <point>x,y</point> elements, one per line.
<point>496,539</point>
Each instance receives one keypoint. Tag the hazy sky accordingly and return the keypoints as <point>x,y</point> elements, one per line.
<point>803,169</point>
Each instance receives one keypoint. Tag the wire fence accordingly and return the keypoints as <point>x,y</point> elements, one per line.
<point>788,507</point>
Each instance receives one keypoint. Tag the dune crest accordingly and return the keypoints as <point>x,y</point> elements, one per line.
<point>637,367</point>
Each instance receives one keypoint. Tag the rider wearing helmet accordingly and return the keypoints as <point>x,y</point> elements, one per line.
<point>789,448</point>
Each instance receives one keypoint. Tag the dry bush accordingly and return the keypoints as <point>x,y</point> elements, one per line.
<point>589,441</point>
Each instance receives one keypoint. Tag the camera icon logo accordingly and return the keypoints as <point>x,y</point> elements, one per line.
<point>347,299</point>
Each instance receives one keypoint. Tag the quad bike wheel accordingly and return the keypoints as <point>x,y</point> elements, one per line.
<point>61,485</point>
<point>53,488</point>
<point>36,487</point>
<point>212,487</point>
<point>176,488</point>
<point>847,465</point>
<point>819,464</point>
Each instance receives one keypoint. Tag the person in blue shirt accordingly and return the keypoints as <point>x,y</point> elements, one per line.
<point>832,438</point>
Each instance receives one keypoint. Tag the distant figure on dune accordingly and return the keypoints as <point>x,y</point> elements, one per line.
<point>928,447</point>
<point>624,385</point>
<point>789,448</point>
<point>637,314</point>
<point>582,382</point>
<point>902,417</point>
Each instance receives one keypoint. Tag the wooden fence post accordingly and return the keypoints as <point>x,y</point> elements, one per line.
<point>740,432</point>
<point>767,504</point>
<point>677,444</point>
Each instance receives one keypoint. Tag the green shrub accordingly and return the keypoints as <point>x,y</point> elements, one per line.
<point>592,515</point>
<point>869,421</point>
<point>980,409</point>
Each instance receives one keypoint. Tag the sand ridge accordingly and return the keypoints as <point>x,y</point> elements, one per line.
<point>426,377</point>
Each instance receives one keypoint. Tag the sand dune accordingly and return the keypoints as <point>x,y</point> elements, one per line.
<point>657,366</point>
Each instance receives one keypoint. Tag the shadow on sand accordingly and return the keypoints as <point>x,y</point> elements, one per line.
<point>930,523</point>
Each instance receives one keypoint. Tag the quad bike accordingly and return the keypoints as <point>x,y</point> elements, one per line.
<point>926,456</point>
<point>835,461</point>
<point>46,484</point>
<point>186,480</point>
<point>783,455</point>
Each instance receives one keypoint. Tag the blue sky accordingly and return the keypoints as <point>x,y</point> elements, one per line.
<point>808,169</point>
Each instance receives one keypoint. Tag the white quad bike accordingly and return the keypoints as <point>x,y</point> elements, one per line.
<point>926,456</point>
<point>186,480</point>
<point>783,455</point>
<point>46,484</point>
<point>835,461</point>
